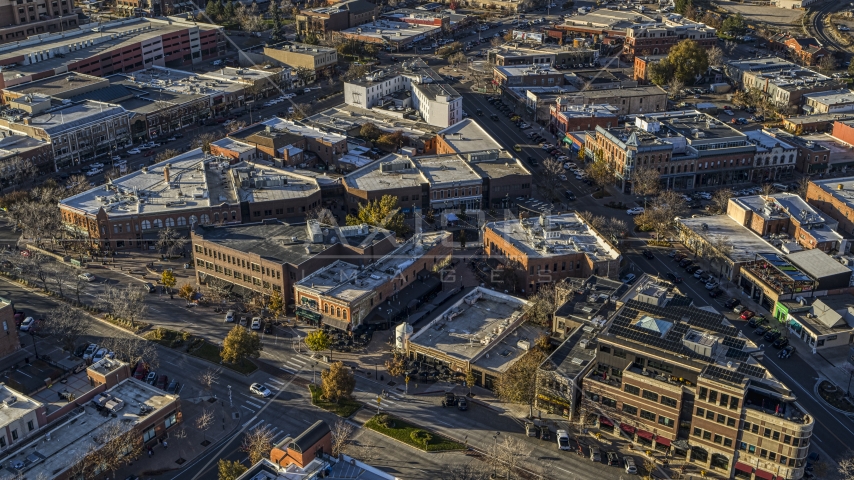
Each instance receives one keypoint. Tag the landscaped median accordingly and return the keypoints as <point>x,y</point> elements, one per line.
<point>344,408</point>
<point>411,435</point>
<point>197,347</point>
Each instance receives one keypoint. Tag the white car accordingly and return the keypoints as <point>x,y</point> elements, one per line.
<point>27,324</point>
<point>256,323</point>
<point>86,276</point>
<point>307,90</point>
<point>97,165</point>
<point>705,195</point>
<point>134,151</point>
<point>547,146</point>
<point>259,389</point>
<point>562,440</point>
<point>90,351</point>
<point>99,355</point>
<point>729,112</point>
<point>116,158</point>
<point>216,63</point>
<point>229,316</point>
<point>635,211</point>
<point>562,177</point>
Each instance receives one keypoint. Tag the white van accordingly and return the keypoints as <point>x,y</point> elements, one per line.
<point>780,187</point>
<point>562,439</point>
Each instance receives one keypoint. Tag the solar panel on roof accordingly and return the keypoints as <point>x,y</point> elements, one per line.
<point>736,354</point>
<point>723,374</point>
<point>734,343</point>
<point>751,370</point>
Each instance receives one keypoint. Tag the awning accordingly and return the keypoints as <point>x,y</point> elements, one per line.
<point>764,475</point>
<point>336,323</point>
<point>743,467</point>
<point>647,435</point>
<point>605,421</point>
<point>628,428</point>
<point>662,441</point>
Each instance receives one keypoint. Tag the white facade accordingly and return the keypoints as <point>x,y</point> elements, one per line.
<point>441,110</point>
<point>368,95</point>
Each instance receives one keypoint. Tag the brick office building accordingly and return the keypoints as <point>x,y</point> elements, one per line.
<point>565,117</point>
<point>834,197</point>
<point>342,294</point>
<point>550,248</point>
<point>290,144</point>
<point>9,342</point>
<point>659,38</point>
<point>662,364</point>
<point>272,256</point>
<point>20,20</point>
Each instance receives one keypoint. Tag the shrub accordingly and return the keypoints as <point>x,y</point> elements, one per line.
<point>420,436</point>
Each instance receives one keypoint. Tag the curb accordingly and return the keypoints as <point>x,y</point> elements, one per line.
<point>825,402</point>
<point>416,448</point>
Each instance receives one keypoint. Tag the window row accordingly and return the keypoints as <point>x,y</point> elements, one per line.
<point>714,437</point>
<point>722,399</point>
<point>720,418</point>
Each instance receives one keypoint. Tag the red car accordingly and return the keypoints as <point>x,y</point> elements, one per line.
<point>141,371</point>
<point>747,315</point>
<point>162,381</point>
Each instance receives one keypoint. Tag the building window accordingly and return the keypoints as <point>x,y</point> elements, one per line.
<point>647,415</point>
<point>148,434</point>
<point>670,402</point>
<point>667,422</point>
<point>30,426</point>
<point>629,410</point>
<point>650,395</point>
<point>182,221</point>
<point>15,434</point>
<point>632,389</point>
<point>171,419</point>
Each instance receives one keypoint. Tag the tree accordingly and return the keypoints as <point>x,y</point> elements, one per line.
<point>549,183</point>
<point>167,278</point>
<point>208,377</point>
<point>248,17</point>
<point>391,141</point>
<point>508,275</point>
<point>67,325</point>
<point>355,72</point>
<point>660,72</point>
<point>458,58</point>
<point>276,16</point>
<point>689,60</point>
<point>827,64</point>
<point>132,349</point>
<point>846,467</point>
<point>396,366</point>
<point>715,56</point>
<point>504,456</point>
<point>601,172</point>
<point>337,382</point>
<point>469,471</point>
<point>240,344</point>
<point>767,189</point>
<point>119,446</point>
<point>646,181</point>
<point>680,6</point>
<point>213,9</point>
<point>675,86</point>
<point>659,215</point>
<point>204,422</point>
<point>276,305</point>
<point>186,292</point>
<point>318,341</point>
<point>543,305</point>
<point>733,26</point>
<point>237,124</point>
<point>170,242</point>
<point>384,213</point>
<point>257,443</point>
<point>304,75</point>
<point>341,431</point>
<point>803,185</point>
<point>370,131</point>
<point>230,469</point>
<point>720,199</point>
<point>165,155</point>
<point>204,140</point>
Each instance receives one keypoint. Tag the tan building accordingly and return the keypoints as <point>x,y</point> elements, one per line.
<point>321,60</point>
<point>835,198</point>
<point>21,20</point>
<point>262,258</point>
<point>662,365</point>
<point>549,248</point>
<point>336,17</point>
<point>627,101</point>
<point>343,294</point>
<point>293,144</point>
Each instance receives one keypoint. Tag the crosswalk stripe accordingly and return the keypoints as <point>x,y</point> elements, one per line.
<point>298,360</point>
<point>254,404</point>
<point>294,365</point>
<point>271,379</point>
<point>288,370</point>
<point>250,409</point>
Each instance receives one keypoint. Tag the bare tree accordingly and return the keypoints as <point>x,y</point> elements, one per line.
<point>67,325</point>
<point>133,349</point>
<point>235,126</point>
<point>720,199</point>
<point>675,86</point>
<point>249,18</point>
<point>341,432</point>
<point>204,422</point>
<point>170,242</point>
<point>61,275</point>
<point>505,454</point>
<point>116,445</point>
<point>257,443</point>
<point>646,181</point>
<point>204,141</point>
<point>208,377</point>
<point>301,110</point>
<point>614,228</point>
<point>803,185</point>
<point>469,471</point>
<point>75,185</point>
<point>550,183</point>
<point>846,467</point>
<point>767,189</point>
<point>661,212</point>
<point>716,56</point>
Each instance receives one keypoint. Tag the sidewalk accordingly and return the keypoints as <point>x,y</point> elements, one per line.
<point>187,441</point>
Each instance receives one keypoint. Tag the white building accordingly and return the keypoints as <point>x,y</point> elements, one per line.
<point>775,157</point>
<point>405,89</point>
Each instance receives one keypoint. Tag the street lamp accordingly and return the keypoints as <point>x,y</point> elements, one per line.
<point>495,464</point>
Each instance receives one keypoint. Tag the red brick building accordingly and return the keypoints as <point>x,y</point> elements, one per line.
<point>806,50</point>
<point>573,118</point>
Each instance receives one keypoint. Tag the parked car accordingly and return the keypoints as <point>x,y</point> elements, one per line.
<point>150,287</point>
<point>594,454</point>
<point>685,262</point>
<point>699,273</point>
<point>268,327</point>
<point>648,254</point>
<point>715,292</point>
<point>787,351</point>
<point>90,351</point>
<point>772,335</point>
<point>29,324</point>
<point>562,440</point>
<point>140,372</point>
<point>260,389</point>
<point>746,314</point>
<point>691,268</point>
<point>739,309</point>
<point>761,330</point>
<point>162,382</point>
<point>87,277</point>
<point>256,323</point>
<point>173,387</point>
<point>612,458</point>
<point>151,378</point>
<point>635,211</point>
<point>99,355</point>
<point>629,462</point>
<point>673,277</point>
<point>462,404</point>
<point>629,278</point>
<point>780,342</point>
<point>732,302</point>
<point>712,285</point>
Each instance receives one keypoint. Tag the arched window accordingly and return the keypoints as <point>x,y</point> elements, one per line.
<point>775,159</point>
<point>326,308</point>
<point>345,314</point>
<point>146,224</point>
<point>233,215</point>
<point>791,157</point>
<point>338,312</point>
<point>193,220</point>
<point>158,223</point>
<point>216,216</point>
<point>205,219</point>
<point>182,221</point>
<point>170,222</point>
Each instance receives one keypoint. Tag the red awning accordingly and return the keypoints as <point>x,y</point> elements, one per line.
<point>764,475</point>
<point>743,467</point>
<point>662,441</point>
<point>605,421</point>
<point>627,428</point>
<point>645,434</point>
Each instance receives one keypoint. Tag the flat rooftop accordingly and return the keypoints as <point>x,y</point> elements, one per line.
<point>588,111</point>
<point>298,128</point>
<point>765,142</point>
<point>485,328</point>
<point>591,95</point>
<point>302,48</point>
<point>112,35</point>
<point>828,315</point>
<point>832,97</point>
<point>74,439</point>
<point>14,144</point>
<point>15,405</point>
<point>344,118</point>
<point>608,19</point>
<point>745,244</point>
<point>442,169</point>
<point>555,235</point>
<point>394,32</point>
<point>63,118</point>
<point>389,172</point>
<point>56,85</point>
<point>527,70</point>
<point>348,282</point>
<point>782,205</point>
<point>255,183</point>
<point>840,188</point>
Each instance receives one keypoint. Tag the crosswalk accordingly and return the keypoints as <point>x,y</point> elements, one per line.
<point>253,403</point>
<point>294,365</point>
<point>278,434</point>
<point>389,401</point>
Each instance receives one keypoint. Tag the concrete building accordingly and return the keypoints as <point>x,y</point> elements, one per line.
<point>771,278</point>
<point>119,46</point>
<point>336,17</point>
<point>790,222</point>
<point>490,334</point>
<point>396,35</point>
<point>774,159</point>
<point>19,21</point>
<point>605,23</point>
<point>628,101</point>
<point>322,60</point>
<point>547,54</point>
<point>411,85</point>
<point>812,156</point>
<point>834,197</point>
<point>786,89</point>
<point>343,294</point>
<point>688,148</point>
<point>659,367</point>
<point>260,258</point>
<point>833,101</point>
<point>732,244</point>
<point>821,323</point>
<point>187,190</point>
<point>527,76</point>
<point>550,248</point>
<point>21,417</point>
<point>659,37</point>
<point>571,118</point>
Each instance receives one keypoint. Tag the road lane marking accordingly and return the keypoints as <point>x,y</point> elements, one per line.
<point>254,404</point>
<point>271,379</point>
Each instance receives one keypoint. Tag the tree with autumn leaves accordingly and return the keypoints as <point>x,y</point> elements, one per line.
<point>384,213</point>
<point>519,382</point>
